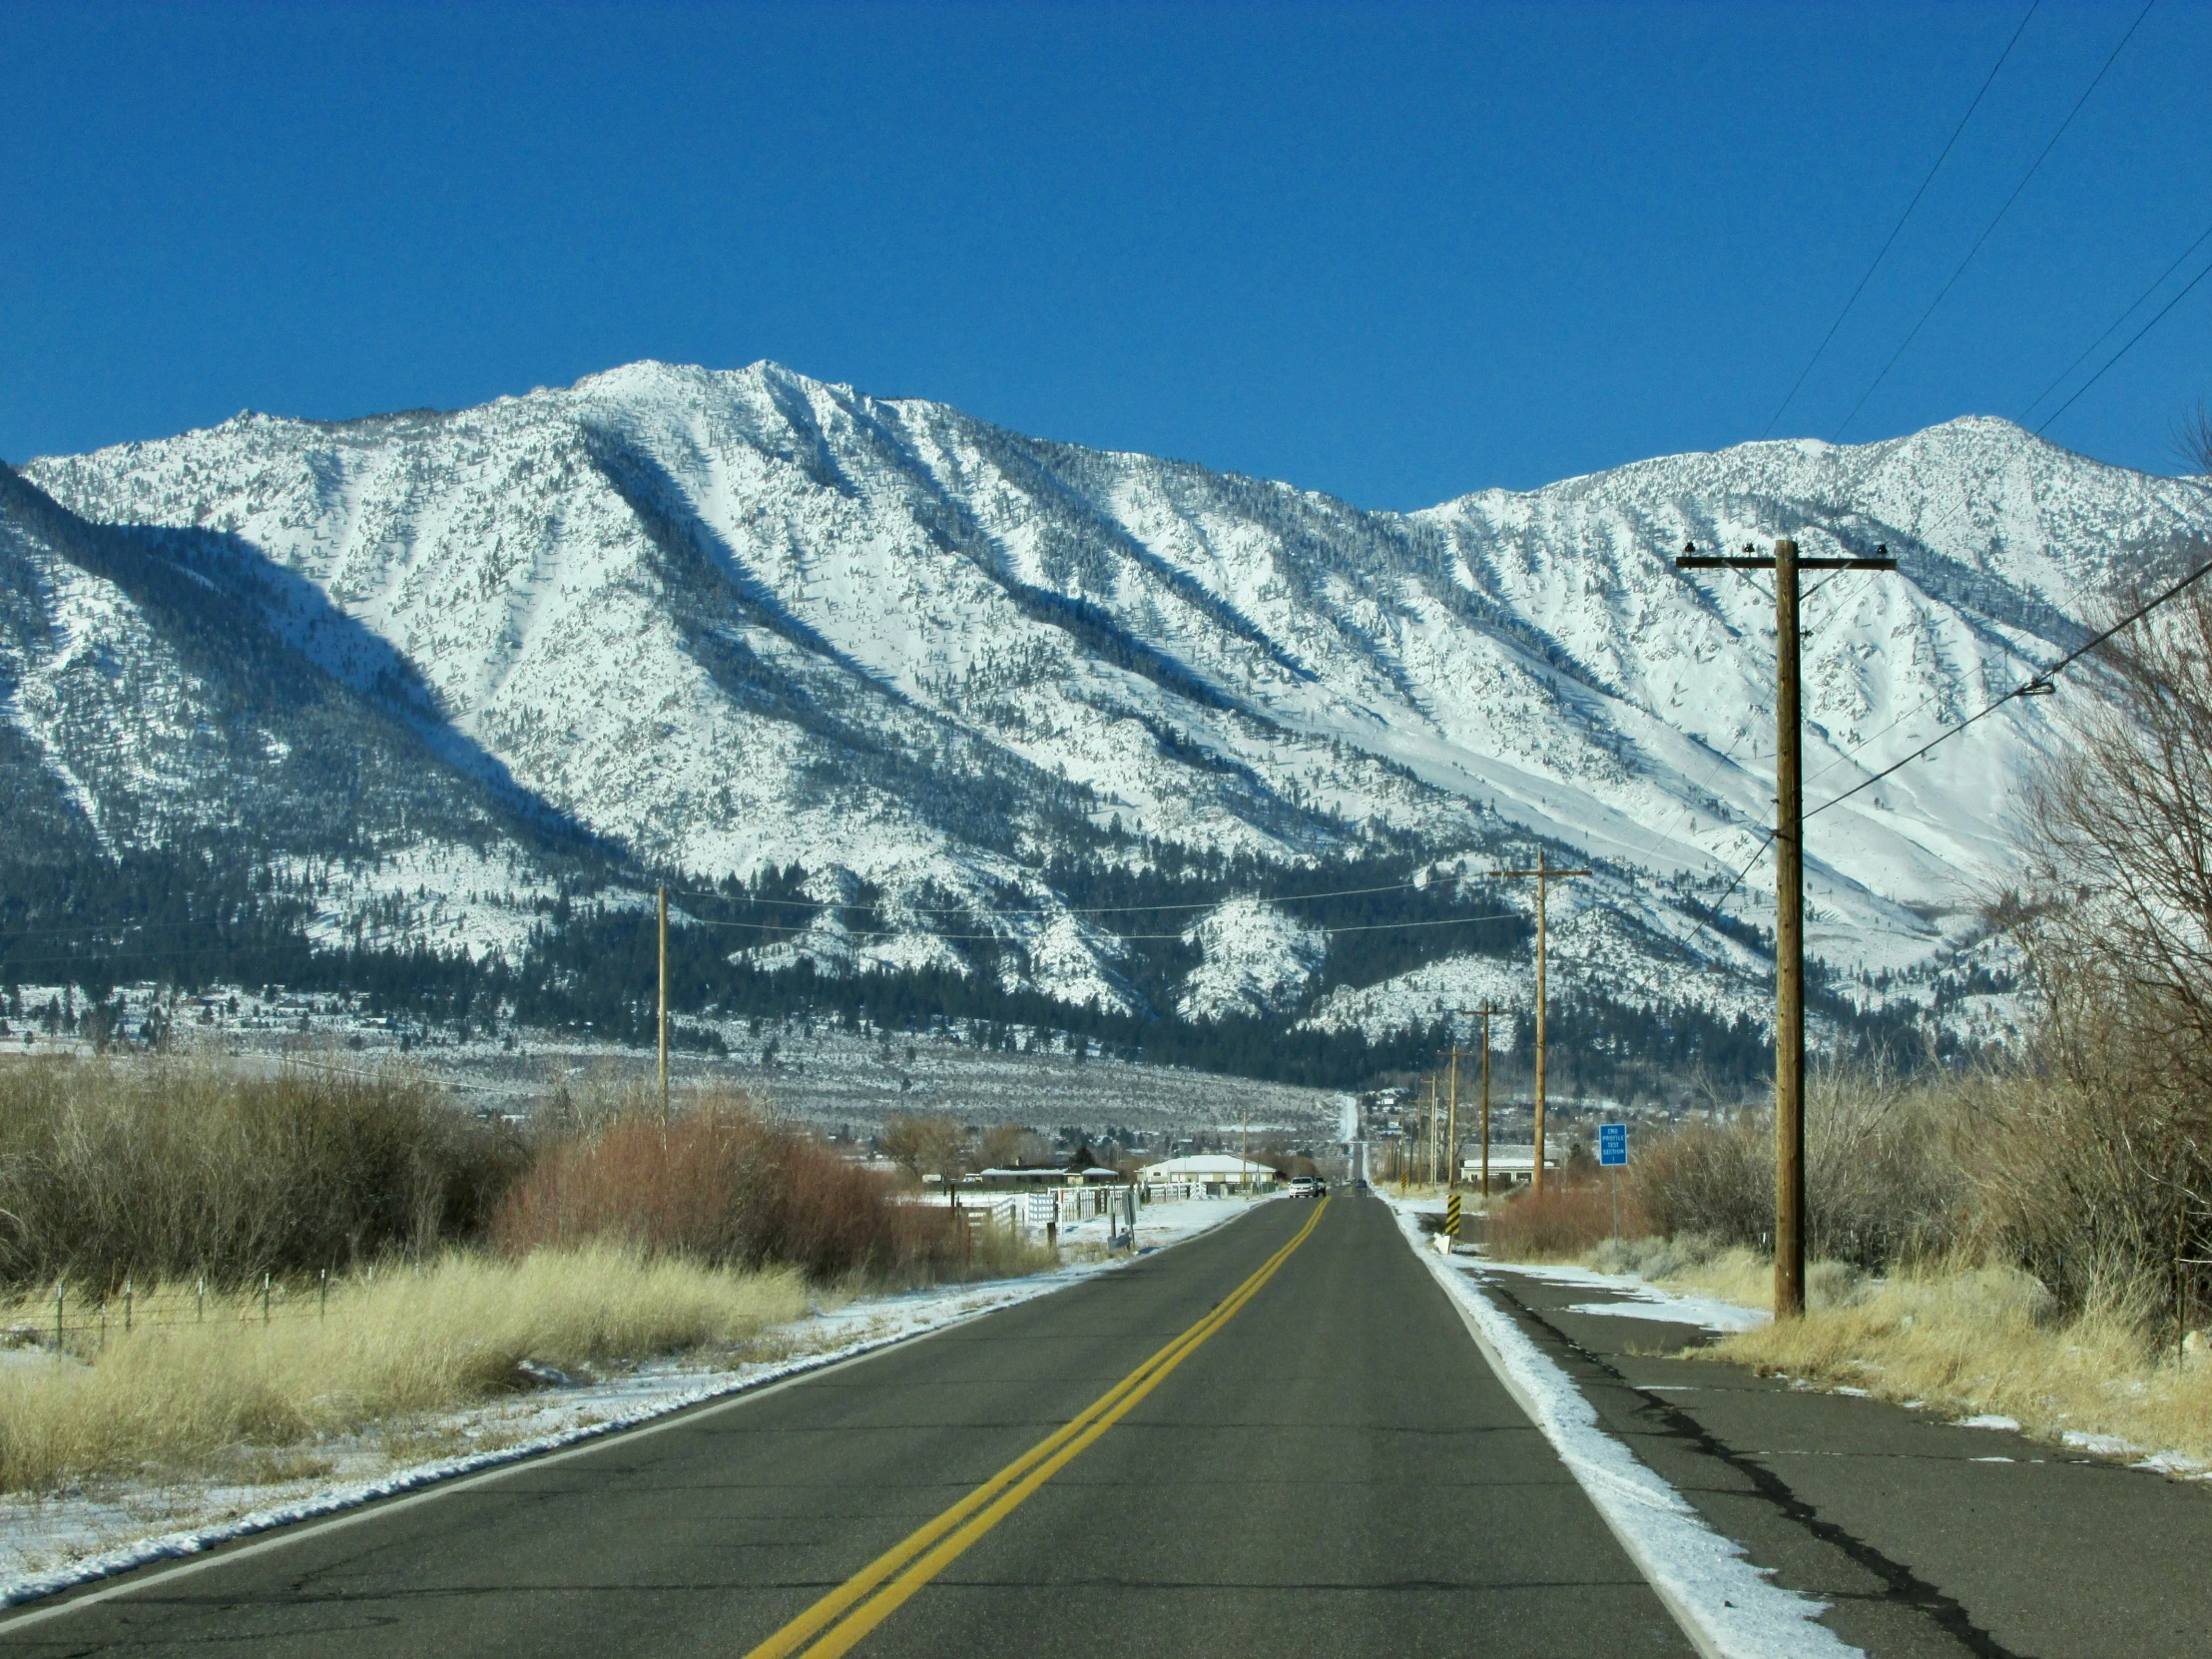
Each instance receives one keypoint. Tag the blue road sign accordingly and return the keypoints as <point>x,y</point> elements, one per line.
<point>1612,1143</point>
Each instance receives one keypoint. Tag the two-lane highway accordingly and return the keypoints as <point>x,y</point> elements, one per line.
<point>1277,1435</point>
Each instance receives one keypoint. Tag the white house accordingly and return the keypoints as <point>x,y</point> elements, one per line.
<point>1215,1171</point>
<point>1509,1165</point>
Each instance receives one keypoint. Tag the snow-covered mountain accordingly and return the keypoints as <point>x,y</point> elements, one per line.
<point>724,621</point>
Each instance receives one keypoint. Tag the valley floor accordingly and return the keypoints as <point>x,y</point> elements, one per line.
<point>817,1071</point>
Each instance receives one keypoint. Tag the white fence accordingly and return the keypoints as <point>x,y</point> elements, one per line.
<point>1061,1207</point>
<point>1031,1211</point>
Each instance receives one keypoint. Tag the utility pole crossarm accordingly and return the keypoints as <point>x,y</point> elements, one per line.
<point>1691,559</point>
<point>1686,562</point>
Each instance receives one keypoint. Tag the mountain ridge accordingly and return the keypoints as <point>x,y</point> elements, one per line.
<point>728,622</point>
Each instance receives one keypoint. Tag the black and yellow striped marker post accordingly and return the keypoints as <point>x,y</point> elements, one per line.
<point>1451,1216</point>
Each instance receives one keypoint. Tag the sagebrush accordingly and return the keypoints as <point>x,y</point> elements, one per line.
<point>170,1168</point>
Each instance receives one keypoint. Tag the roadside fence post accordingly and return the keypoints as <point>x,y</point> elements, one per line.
<point>264,1298</point>
<point>60,1297</point>
<point>202,1318</point>
<point>127,1302</point>
<point>326,1313</point>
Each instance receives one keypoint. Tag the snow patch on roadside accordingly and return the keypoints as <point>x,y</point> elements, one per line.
<point>1701,1311</point>
<point>1728,1606</point>
<point>1640,1299</point>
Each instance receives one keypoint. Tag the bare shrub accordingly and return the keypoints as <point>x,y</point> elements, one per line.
<point>2105,1189</point>
<point>720,1184</point>
<point>724,1184</point>
<point>175,1168</point>
<point>1709,1180</point>
<point>1561,1224</point>
<point>1883,1180</point>
<point>2085,1189</point>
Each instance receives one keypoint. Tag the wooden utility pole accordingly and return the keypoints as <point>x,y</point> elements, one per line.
<point>1433,1129</point>
<point>1544,875</point>
<point>1789,921</point>
<point>663,907</point>
<point>1469,1013</point>
<point>1452,1126</point>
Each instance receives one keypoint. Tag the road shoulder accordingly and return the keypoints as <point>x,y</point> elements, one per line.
<point>1924,1536</point>
<point>1726,1603</point>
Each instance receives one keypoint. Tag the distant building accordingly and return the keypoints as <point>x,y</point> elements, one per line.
<point>1509,1164</point>
<point>1047,1174</point>
<point>1217,1172</point>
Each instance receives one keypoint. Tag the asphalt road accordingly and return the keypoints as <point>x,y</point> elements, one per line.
<point>1926,1539</point>
<point>1330,1469</point>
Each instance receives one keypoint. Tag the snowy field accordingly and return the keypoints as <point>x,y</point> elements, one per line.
<point>48,1543</point>
<point>815,1070</point>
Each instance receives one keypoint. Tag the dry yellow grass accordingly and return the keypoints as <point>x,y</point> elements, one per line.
<point>1962,1337</point>
<point>1984,1339</point>
<point>1731,1273</point>
<point>175,1397</point>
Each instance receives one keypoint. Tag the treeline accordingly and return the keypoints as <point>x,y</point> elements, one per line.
<point>189,919</point>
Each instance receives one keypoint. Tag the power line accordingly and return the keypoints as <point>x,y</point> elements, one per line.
<point>2113,326</point>
<point>1896,229</point>
<point>1002,938</point>
<point>1060,910</point>
<point>1712,914</point>
<point>1991,228</point>
<point>2131,346</point>
<point>2029,689</point>
<point>117,927</point>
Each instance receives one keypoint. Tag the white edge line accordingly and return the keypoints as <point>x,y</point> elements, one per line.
<point>407,1487</point>
<point>1709,1642</point>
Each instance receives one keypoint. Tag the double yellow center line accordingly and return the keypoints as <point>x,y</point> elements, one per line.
<point>878,1589</point>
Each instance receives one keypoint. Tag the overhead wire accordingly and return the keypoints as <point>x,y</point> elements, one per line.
<point>1991,228</point>
<point>1063,909</point>
<point>2129,346</point>
<point>2113,328</point>
<point>1712,914</point>
<point>1889,241</point>
<point>112,927</point>
<point>1002,938</point>
<point>2044,679</point>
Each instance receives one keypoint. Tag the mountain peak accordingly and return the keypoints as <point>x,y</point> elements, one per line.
<point>736,621</point>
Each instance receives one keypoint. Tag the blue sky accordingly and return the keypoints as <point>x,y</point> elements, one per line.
<point>1397,252</point>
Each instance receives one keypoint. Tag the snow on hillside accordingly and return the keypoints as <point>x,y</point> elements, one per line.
<point>1255,961</point>
<point>741,618</point>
